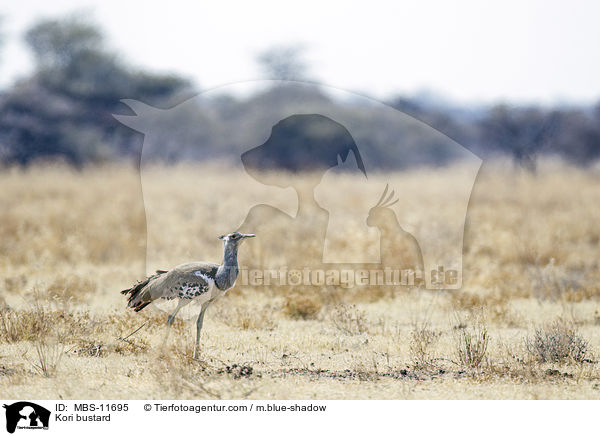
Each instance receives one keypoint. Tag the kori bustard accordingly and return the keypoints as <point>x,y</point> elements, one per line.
<point>201,282</point>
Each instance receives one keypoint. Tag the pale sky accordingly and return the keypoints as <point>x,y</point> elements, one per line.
<point>467,51</point>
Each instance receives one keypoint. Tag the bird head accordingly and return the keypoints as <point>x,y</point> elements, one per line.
<point>235,239</point>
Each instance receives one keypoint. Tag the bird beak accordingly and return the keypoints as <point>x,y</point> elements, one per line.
<point>249,235</point>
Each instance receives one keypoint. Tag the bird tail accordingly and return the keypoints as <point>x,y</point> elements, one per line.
<point>139,294</point>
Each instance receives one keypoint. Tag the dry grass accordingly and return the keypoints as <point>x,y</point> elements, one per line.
<point>70,241</point>
<point>300,304</point>
<point>249,317</point>
<point>471,345</point>
<point>422,340</point>
<point>31,324</point>
<point>47,358</point>
<point>71,288</point>
<point>348,319</point>
<point>556,343</point>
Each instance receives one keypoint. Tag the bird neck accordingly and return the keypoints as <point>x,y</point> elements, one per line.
<point>228,271</point>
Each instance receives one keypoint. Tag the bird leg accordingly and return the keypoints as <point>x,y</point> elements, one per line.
<point>170,323</point>
<point>198,329</point>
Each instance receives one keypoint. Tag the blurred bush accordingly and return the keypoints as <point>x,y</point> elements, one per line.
<point>64,111</point>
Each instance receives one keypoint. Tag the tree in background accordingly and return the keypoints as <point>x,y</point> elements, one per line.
<point>452,121</point>
<point>578,136</point>
<point>59,44</point>
<point>522,133</point>
<point>64,110</point>
<point>283,63</point>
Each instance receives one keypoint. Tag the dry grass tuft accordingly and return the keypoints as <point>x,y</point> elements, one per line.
<point>471,345</point>
<point>557,343</point>
<point>348,319</point>
<point>422,340</point>
<point>9,325</point>
<point>70,288</point>
<point>131,347</point>
<point>303,305</point>
<point>495,305</point>
<point>47,357</point>
<point>15,284</point>
<point>553,282</point>
<point>26,325</point>
<point>248,317</point>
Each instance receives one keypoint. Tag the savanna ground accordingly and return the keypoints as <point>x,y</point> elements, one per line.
<point>524,325</point>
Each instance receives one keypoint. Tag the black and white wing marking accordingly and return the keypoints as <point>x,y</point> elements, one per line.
<point>189,281</point>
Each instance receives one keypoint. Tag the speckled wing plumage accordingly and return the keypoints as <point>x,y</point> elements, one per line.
<point>187,281</point>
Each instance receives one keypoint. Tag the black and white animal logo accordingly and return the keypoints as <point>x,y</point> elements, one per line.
<point>26,415</point>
